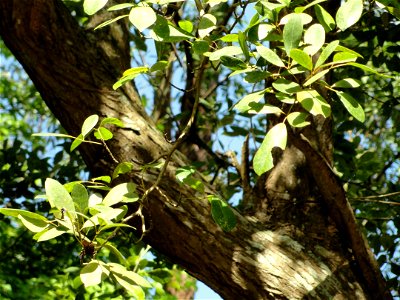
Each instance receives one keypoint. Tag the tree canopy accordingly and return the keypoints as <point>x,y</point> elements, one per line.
<point>253,144</point>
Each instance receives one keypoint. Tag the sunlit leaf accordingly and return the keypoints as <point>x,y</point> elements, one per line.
<point>314,103</point>
<point>326,20</point>
<point>347,83</point>
<point>292,32</point>
<point>298,119</point>
<point>91,274</point>
<point>142,17</point>
<point>301,58</point>
<point>315,77</point>
<point>243,104</point>
<point>122,168</point>
<point>286,86</point>
<point>80,197</point>
<point>58,196</point>
<point>33,224</point>
<point>315,37</point>
<point>186,25</point>
<point>207,24</point>
<point>16,212</point>
<point>328,50</point>
<point>349,13</point>
<point>48,234</point>
<point>89,124</point>
<point>226,51</point>
<point>92,6</point>
<point>276,137</point>
<point>121,193</point>
<point>352,106</point>
<point>270,56</point>
<point>103,134</point>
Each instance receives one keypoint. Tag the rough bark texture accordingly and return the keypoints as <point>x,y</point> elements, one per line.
<point>288,248</point>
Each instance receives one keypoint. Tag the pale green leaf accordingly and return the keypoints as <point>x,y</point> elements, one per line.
<point>80,197</point>
<point>342,57</point>
<point>207,24</point>
<point>33,224</point>
<point>136,290</point>
<point>244,104</point>
<point>222,213</point>
<point>230,38</point>
<point>328,50</point>
<point>108,22</point>
<point>89,124</point>
<point>347,83</point>
<point>142,17</point>
<point>286,86</point>
<point>305,18</point>
<point>91,274</point>
<point>263,30</point>
<point>315,38</point>
<point>349,13</point>
<point>53,134</point>
<point>164,31</point>
<point>367,69</point>
<point>104,217</point>
<point>265,109</point>
<point>314,103</point>
<point>301,58</point>
<point>48,234</point>
<point>298,119</point>
<point>186,25</point>
<point>58,196</point>
<point>120,193</point>
<point>324,18</point>
<point>243,44</point>
<point>270,56</point>
<point>315,77</point>
<point>92,6</point>
<point>300,9</point>
<point>120,6</point>
<point>276,137</point>
<point>292,32</point>
<point>226,51</point>
<point>16,212</point>
<point>352,106</point>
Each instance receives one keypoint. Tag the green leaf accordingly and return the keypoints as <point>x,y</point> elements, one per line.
<point>328,50</point>
<point>131,276</point>
<point>53,134</point>
<point>270,56</point>
<point>292,32</point>
<point>58,196</point>
<point>80,197</point>
<point>102,215</point>
<point>142,17</point>
<point>305,18</point>
<point>347,83</point>
<point>48,234</point>
<point>136,290</point>
<point>122,168</point>
<point>103,133</point>
<point>33,224</point>
<point>159,66</point>
<point>124,192</point>
<point>186,25</point>
<point>91,274</point>
<point>230,38</point>
<point>244,104</point>
<point>207,24</point>
<point>222,213</point>
<point>298,119</point>
<point>367,69</point>
<point>352,106</point>
<point>286,86</point>
<point>92,6</point>
<point>79,139</point>
<point>315,37</point>
<point>17,212</point>
<point>243,44</point>
<point>275,137</point>
<point>324,18</point>
<point>113,121</point>
<point>258,108</point>
<point>314,103</point>
<point>120,6</point>
<point>108,22</point>
<point>316,77</point>
<point>199,47</point>
<point>130,74</point>
<point>89,124</point>
<point>342,57</point>
<point>226,51</point>
<point>164,31</point>
<point>349,13</point>
<point>301,58</point>
<point>233,63</point>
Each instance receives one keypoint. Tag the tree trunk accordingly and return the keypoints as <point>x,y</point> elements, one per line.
<point>292,247</point>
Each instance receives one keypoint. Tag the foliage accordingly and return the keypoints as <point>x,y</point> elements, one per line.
<point>316,63</point>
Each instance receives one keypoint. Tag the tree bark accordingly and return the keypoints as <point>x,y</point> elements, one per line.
<point>299,254</point>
